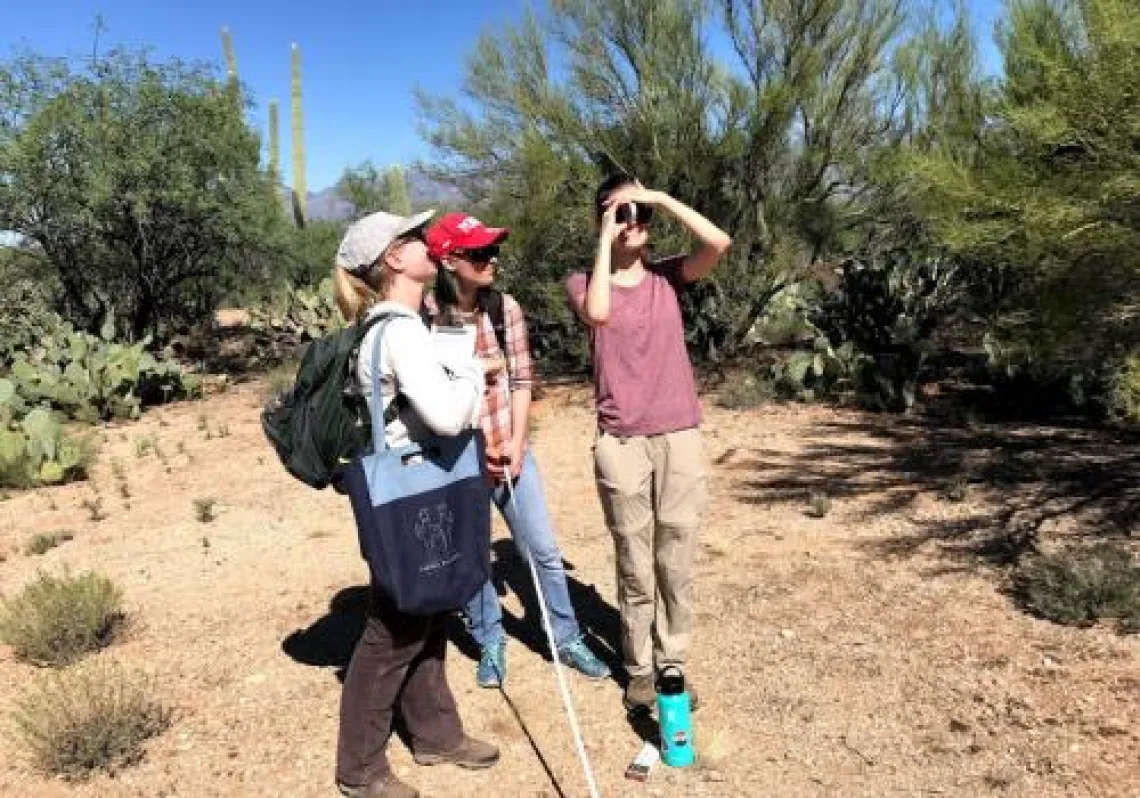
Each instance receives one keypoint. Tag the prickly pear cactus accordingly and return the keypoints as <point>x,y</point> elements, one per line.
<point>88,377</point>
<point>298,315</point>
<point>36,451</point>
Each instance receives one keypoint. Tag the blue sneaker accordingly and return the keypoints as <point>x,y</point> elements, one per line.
<point>492,669</point>
<point>579,657</point>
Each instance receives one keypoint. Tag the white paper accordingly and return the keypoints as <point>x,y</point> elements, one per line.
<point>454,345</point>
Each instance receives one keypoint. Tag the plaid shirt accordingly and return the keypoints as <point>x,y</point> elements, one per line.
<point>495,414</point>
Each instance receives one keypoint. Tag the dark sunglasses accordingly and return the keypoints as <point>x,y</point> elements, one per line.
<point>632,213</point>
<point>481,255</point>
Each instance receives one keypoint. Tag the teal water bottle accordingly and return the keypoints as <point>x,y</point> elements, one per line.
<point>673,713</point>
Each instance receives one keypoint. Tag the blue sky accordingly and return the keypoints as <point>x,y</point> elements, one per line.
<point>361,60</point>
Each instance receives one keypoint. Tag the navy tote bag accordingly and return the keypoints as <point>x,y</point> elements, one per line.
<point>423,514</point>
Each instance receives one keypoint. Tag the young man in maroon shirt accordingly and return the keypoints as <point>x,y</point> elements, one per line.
<point>649,463</point>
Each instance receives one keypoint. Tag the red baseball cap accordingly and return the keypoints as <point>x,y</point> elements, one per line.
<point>460,231</point>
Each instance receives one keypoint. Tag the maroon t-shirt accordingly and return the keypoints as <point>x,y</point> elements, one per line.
<point>643,380</point>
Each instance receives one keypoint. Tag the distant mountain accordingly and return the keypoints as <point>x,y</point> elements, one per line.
<point>327,205</point>
<point>426,193</point>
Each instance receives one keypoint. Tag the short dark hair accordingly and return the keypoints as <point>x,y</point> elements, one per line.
<point>607,187</point>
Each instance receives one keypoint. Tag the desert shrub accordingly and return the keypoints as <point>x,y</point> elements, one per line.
<point>1125,397</point>
<point>204,509</point>
<point>43,542</point>
<point>745,391</point>
<point>819,505</point>
<point>1079,586</point>
<point>76,722</point>
<point>56,620</point>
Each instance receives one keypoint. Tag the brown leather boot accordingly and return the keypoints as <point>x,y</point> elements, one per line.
<point>471,754</point>
<point>387,787</point>
<point>640,693</point>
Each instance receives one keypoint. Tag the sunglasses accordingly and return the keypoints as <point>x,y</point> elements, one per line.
<point>632,213</point>
<point>481,255</point>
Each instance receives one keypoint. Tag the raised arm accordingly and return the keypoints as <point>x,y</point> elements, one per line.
<point>593,306</point>
<point>712,242</point>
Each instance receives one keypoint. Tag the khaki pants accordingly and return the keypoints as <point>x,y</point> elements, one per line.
<point>653,491</point>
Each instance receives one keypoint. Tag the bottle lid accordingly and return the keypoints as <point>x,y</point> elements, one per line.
<point>670,681</point>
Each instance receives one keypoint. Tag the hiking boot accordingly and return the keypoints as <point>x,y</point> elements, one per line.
<point>492,668</point>
<point>640,693</point>
<point>387,787</point>
<point>579,657</point>
<point>471,754</point>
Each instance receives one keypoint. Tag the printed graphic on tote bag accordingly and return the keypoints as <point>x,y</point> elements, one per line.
<point>433,530</point>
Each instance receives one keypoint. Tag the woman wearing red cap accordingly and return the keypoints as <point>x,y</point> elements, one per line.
<point>468,251</point>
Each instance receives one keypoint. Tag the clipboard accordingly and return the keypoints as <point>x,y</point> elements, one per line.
<point>454,344</point>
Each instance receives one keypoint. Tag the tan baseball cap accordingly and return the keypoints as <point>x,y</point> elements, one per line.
<point>366,239</point>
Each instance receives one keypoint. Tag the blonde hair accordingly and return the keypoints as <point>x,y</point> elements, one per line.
<point>355,295</point>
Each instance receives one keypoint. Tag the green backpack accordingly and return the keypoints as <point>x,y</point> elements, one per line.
<point>321,424</point>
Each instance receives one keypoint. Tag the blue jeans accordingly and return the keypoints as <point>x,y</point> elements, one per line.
<point>533,534</point>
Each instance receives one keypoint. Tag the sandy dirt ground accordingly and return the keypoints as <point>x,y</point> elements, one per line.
<point>872,652</point>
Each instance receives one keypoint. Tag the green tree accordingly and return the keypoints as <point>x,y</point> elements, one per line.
<point>368,188</point>
<point>1048,199</point>
<point>774,143</point>
<point>364,187</point>
<point>139,184</point>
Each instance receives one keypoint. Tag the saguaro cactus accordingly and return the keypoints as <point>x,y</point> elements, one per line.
<point>227,46</point>
<point>274,145</point>
<point>233,88</point>
<point>231,59</point>
<point>396,187</point>
<point>300,191</point>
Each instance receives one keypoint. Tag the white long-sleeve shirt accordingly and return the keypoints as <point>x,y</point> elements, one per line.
<point>443,398</point>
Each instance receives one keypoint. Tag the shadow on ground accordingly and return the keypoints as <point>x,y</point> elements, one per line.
<point>329,641</point>
<point>1029,475</point>
<point>510,573</point>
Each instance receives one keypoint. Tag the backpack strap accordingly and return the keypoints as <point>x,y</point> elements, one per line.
<point>490,301</point>
<point>399,401</point>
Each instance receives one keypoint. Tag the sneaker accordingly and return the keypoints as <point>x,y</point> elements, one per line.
<point>492,668</point>
<point>387,787</point>
<point>640,693</point>
<point>579,657</point>
<point>471,754</point>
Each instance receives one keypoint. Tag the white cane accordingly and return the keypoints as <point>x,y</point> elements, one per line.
<point>566,700</point>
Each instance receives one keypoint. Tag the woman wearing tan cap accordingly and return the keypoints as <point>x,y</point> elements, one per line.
<point>382,266</point>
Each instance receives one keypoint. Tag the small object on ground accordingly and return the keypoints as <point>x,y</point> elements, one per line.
<point>643,763</point>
